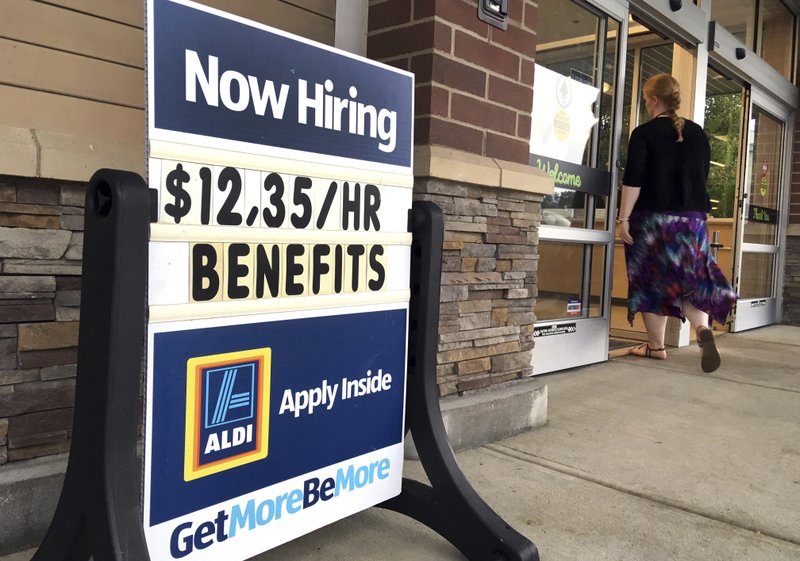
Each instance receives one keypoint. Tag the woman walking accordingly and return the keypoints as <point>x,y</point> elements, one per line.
<point>662,220</point>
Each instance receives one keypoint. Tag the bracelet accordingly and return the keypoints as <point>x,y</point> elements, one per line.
<point>621,220</point>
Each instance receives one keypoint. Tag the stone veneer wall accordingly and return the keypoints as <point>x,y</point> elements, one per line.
<point>41,246</point>
<point>791,282</point>
<point>488,283</point>
<point>486,314</point>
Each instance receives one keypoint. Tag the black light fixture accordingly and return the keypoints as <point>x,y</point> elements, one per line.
<point>675,5</point>
<point>494,12</point>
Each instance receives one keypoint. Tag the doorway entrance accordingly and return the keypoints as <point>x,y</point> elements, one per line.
<point>648,54</point>
<point>749,135</point>
<point>595,67</point>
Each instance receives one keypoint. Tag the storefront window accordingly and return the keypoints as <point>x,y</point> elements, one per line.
<point>757,275</point>
<point>572,116</point>
<point>562,290</point>
<point>572,133</point>
<point>654,60</point>
<point>606,124</point>
<point>767,27</point>
<point>736,16</point>
<point>764,153</point>
<point>644,62</point>
<point>777,41</point>
<point>723,122</point>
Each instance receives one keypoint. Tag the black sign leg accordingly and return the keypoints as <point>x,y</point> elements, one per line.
<point>450,506</point>
<point>99,513</point>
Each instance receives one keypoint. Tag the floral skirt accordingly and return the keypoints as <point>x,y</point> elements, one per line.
<point>669,262</point>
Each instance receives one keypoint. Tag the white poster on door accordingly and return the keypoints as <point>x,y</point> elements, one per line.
<point>562,117</point>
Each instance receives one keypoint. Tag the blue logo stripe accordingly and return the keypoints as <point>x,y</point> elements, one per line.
<point>221,397</point>
<point>223,412</point>
<point>228,393</point>
<point>253,376</point>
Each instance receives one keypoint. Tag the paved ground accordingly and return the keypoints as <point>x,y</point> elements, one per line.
<point>641,460</point>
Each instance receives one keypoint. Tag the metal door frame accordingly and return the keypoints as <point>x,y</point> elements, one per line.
<point>587,342</point>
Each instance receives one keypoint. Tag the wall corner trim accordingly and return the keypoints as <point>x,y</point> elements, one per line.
<point>524,178</point>
<point>442,162</point>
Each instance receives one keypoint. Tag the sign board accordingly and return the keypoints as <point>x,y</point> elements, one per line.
<point>278,283</point>
<point>573,307</point>
<point>562,119</point>
<point>577,177</point>
<point>762,214</point>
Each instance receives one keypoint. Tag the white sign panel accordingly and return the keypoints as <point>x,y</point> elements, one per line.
<point>278,284</point>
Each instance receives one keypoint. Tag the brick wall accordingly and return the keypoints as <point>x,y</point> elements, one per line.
<point>474,95</point>
<point>41,245</point>
<point>791,282</point>
<point>791,279</point>
<point>794,196</point>
<point>473,81</point>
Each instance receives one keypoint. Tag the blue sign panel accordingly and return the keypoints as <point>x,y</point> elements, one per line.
<point>275,400</point>
<point>222,78</point>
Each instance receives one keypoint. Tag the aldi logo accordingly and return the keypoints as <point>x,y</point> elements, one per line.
<point>227,411</point>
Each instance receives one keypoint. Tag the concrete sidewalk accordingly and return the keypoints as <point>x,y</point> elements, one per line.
<point>642,460</point>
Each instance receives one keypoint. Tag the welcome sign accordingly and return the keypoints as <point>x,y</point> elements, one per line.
<point>278,284</point>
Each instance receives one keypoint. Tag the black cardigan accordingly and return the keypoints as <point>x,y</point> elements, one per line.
<point>672,175</point>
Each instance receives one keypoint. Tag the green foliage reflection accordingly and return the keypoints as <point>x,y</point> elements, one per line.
<point>723,119</point>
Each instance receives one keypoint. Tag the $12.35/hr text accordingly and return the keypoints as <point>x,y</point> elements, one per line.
<point>196,194</point>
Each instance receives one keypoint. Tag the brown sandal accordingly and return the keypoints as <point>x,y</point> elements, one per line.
<point>645,351</point>
<point>709,358</point>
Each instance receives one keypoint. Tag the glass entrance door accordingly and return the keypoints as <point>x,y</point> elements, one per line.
<point>648,54</point>
<point>725,113</point>
<point>574,138</point>
<point>761,215</point>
